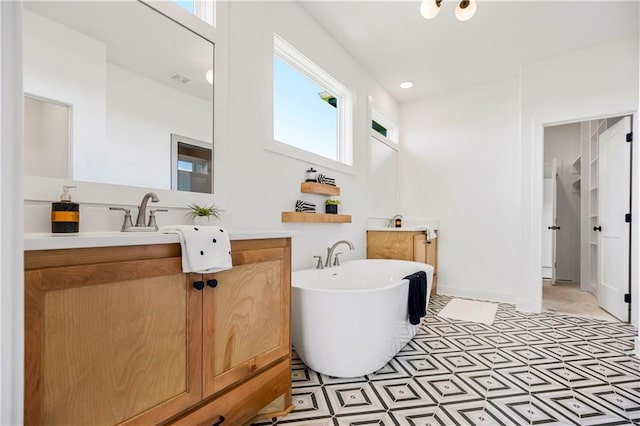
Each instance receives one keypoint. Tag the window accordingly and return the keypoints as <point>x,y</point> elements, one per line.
<point>379,128</point>
<point>311,110</point>
<point>203,9</point>
<point>384,127</point>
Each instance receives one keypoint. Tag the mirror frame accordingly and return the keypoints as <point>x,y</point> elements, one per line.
<point>37,188</point>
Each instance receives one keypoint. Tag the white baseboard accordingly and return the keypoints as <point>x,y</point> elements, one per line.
<point>526,305</point>
<point>474,293</point>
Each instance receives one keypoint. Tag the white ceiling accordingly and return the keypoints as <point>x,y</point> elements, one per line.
<point>394,43</point>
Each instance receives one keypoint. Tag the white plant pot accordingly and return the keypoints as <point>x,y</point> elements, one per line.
<point>203,220</point>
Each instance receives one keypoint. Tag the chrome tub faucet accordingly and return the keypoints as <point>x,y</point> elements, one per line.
<point>330,251</point>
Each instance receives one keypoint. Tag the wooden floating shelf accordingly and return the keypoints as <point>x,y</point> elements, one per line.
<point>300,217</point>
<point>319,188</point>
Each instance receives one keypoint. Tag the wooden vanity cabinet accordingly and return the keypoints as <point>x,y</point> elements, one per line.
<point>119,335</point>
<point>404,245</point>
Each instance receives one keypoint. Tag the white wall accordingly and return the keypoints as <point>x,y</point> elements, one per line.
<point>255,174</point>
<point>122,122</point>
<point>254,185</point>
<point>589,83</point>
<point>69,67</point>
<point>474,159</point>
<point>635,224</point>
<point>11,263</point>
<point>563,143</point>
<point>459,155</point>
<point>142,110</point>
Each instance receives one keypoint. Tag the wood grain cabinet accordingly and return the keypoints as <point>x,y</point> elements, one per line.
<point>119,335</point>
<point>404,245</point>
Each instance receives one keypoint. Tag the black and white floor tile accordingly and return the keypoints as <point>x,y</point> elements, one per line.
<point>525,369</point>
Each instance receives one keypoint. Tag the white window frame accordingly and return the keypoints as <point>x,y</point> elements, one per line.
<point>205,10</point>
<point>392,130</point>
<point>344,153</point>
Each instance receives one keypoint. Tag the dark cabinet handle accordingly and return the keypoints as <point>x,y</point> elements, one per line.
<point>198,285</point>
<point>213,283</point>
<point>597,228</point>
<point>219,422</point>
<point>553,228</point>
<point>428,242</point>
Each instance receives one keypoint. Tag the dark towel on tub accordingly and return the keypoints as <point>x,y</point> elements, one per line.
<point>417,302</point>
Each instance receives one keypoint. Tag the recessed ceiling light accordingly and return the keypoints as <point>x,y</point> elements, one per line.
<point>406,85</point>
<point>209,77</point>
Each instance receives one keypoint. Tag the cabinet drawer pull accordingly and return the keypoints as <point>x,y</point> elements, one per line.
<point>219,422</point>
<point>198,285</point>
<point>428,242</point>
<point>213,283</point>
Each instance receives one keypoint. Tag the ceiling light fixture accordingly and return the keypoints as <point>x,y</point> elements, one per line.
<point>209,77</point>
<point>430,8</point>
<point>406,85</point>
<point>464,11</point>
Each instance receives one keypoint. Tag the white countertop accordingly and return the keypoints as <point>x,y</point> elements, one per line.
<point>48,241</point>
<point>406,229</point>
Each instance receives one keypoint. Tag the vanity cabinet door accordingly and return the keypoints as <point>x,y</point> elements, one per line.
<point>246,316</point>
<point>426,251</point>
<point>390,245</point>
<point>110,341</point>
<point>420,248</point>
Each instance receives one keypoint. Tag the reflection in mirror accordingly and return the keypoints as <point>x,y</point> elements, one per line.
<point>383,176</point>
<point>190,164</point>
<point>203,9</point>
<point>128,90</point>
<point>46,138</point>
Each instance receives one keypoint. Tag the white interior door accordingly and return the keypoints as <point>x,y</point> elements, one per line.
<point>549,220</point>
<point>614,173</point>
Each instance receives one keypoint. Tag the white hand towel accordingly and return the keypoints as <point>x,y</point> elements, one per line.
<point>431,233</point>
<point>205,249</point>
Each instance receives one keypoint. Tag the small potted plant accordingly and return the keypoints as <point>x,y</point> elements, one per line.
<point>331,206</point>
<point>204,215</point>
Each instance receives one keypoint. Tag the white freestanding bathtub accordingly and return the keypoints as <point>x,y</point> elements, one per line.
<point>352,319</point>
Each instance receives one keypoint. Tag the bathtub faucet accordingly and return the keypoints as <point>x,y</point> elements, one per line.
<point>330,251</point>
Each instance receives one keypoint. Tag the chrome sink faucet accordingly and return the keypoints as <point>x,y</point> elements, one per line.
<point>330,251</point>
<point>141,226</point>
<point>142,210</point>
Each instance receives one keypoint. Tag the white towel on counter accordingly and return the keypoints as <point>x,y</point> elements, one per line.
<point>205,249</point>
<point>431,233</point>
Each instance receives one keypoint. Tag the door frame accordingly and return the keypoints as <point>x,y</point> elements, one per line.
<point>537,163</point>
<point>554,218</point>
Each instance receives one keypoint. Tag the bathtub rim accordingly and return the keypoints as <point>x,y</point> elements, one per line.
<point>363,290</point>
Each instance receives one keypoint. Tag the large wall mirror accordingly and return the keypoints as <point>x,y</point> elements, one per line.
<point>107,84</point>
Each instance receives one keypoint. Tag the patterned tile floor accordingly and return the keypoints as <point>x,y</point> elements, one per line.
<point>525,369</point>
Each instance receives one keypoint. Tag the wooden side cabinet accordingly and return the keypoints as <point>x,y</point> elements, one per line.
<point>119,335</point>
<point>404,245</point>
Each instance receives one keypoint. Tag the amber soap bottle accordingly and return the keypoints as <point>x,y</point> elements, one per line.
<point>65,214</point>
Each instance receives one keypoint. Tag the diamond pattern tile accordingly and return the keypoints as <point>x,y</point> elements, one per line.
<point>524,369</point>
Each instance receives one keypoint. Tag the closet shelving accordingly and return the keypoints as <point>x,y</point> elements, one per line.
<point>596,127</point>
<point>575,170</point>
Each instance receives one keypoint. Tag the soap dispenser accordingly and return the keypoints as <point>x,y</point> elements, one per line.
<point>65,214</point>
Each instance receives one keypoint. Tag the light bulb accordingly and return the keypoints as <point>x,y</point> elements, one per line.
<point>209,77</point>
<point>406,85</point>
<point>465,10</point>
<point>430,8</point>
